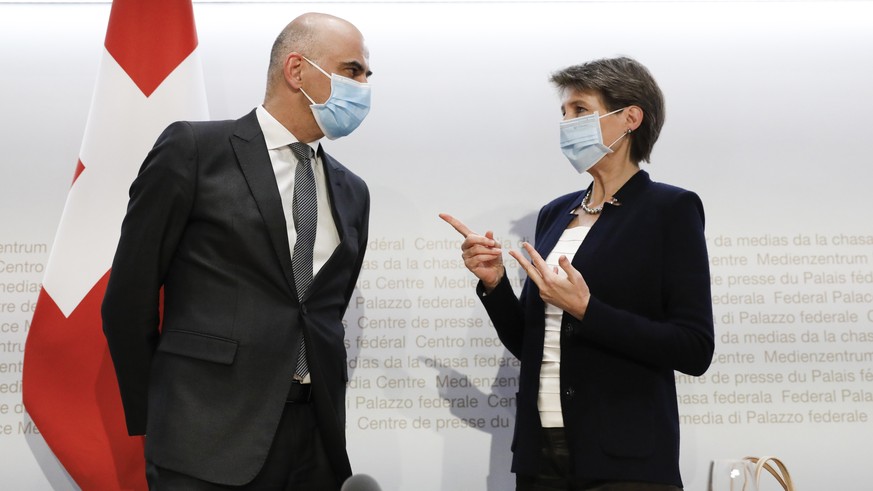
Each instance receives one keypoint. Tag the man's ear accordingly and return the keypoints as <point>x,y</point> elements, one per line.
<point>292,70</point>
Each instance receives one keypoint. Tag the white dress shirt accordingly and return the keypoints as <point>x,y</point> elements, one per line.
<point>278,139</point>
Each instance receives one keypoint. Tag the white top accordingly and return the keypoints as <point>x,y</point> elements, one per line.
<point>549,400</point>
<point>278,139</point>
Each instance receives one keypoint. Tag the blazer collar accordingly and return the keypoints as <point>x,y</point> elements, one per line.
<point>335,176</point>
<point>627,193</point>
<point>254,161</point>
<point>633,187</point>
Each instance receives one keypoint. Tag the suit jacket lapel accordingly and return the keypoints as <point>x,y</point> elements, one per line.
<point>251,152</point>
<point>610,216</point>
<point>335,177</point>
<point>550,237</point>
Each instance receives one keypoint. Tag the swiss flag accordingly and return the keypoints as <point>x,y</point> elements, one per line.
<point>150,76</point>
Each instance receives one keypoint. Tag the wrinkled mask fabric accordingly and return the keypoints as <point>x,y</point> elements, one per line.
<point>345,109</point>
<point>582,140</point>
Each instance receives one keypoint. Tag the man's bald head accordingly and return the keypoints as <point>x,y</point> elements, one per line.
<point>309,35</point>
<point>311,46</point>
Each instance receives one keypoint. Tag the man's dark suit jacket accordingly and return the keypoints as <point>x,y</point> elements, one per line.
<point>205,222</point>
<point>650,313</point>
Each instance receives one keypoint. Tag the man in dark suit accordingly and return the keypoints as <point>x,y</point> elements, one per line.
<point>213,220</point>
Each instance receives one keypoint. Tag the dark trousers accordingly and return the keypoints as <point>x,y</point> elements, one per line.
<point>296,462</point>
<point>555,473</point>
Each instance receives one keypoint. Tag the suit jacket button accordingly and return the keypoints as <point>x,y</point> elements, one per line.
<point>303,308</point>
<point>568,329</point>
<point>569,393</point>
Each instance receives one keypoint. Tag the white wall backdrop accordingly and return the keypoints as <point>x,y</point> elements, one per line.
<point>768,107</point>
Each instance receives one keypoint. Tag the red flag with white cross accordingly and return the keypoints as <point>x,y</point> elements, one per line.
<point>150,76</point>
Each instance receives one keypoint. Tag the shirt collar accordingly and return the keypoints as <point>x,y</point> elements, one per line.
<point>275,134</point>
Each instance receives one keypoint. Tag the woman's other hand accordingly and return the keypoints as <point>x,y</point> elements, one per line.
<point>570,293</point>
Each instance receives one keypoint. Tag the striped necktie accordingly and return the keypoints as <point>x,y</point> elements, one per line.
<point>305,210</point>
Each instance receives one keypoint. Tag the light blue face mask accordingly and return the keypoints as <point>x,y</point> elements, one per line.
<point>582,140</point>
<point>345,109</point>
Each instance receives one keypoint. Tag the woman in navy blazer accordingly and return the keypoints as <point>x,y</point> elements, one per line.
<point>617,298</point>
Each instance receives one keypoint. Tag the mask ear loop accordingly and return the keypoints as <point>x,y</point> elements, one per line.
<point>626,133</point>
<point>307,96</point>
<point>320,70</point>
<point>613,112</point>
<point>316,66</point>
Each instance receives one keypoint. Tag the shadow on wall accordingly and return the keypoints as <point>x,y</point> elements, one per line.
<point>523,231</point>
<point>498,413</point>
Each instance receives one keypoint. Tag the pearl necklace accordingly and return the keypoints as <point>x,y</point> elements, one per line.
<point>586,200</point>
<point>594,211</point>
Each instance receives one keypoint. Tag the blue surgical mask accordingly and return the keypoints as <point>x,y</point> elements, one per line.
<point>345,109</point>
<point>582,140</point>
